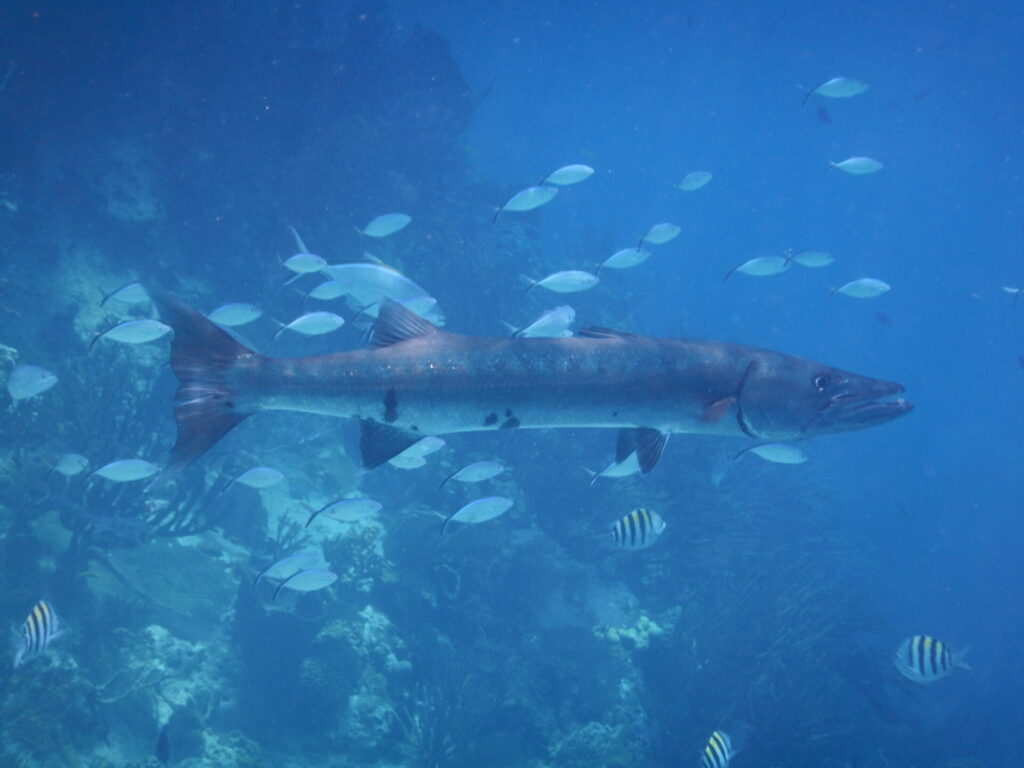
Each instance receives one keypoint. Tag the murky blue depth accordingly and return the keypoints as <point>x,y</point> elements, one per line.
<point>275,604</point>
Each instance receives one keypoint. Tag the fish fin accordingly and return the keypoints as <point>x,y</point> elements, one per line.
<point>260,575</point>
<point>596,332</point>
<point>204,405</point>
<point>514,331</point>
<point>958,659</point>
<point>380,443</point>
<point>530,282</point>
<point>281,585</point>
<point>107,296</point>
<point>395,324</point>
<point>314,512</point>
<point>715,412</point>
<point>646,441</point>
<point>298,240</point>
<point>624,445</point>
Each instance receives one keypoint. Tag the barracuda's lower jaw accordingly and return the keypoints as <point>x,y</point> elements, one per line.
<point>866,409</point>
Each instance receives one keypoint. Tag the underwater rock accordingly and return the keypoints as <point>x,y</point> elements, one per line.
<point>188,586</point>
<point>127,187</point>
<point>595,743</point>
<point>330,669</point>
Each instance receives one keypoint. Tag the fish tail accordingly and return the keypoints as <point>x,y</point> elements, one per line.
<point>313,513</point>
<point>515,331</point>
<point>958,659</point>
<point>202,356</point>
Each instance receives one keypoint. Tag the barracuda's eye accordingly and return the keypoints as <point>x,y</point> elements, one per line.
<point>822,382</point>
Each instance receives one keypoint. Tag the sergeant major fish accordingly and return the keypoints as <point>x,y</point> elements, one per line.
<point>719,751</point>
<point>416,380</point>
<point>637,530</point>
<point>40,629</point>
<point>924,659</point>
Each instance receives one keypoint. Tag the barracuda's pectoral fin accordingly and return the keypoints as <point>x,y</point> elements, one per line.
<point>395,324</point>
<point>648,443</point>
<point>379,443</point>
<point>715,412</point>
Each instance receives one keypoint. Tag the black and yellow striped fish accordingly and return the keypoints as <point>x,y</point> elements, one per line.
<point>924,659</point>
<point>718,752</point>
<point>41,627</point>
<point>637,530</point>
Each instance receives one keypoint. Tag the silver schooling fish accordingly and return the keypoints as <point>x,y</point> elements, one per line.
<point>418,380</point>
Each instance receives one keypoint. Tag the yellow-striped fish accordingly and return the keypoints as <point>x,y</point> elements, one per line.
<point>41,627</point>
<point>924,659</point>
<point>637,530</point>
<point>718,752</point>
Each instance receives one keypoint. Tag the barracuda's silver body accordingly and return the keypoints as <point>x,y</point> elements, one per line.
<point>418,381</point>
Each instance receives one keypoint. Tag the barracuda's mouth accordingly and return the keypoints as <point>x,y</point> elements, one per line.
<point>871,404</point>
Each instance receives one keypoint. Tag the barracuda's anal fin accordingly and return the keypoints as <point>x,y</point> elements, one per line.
<point>379,443</point>
<point>396,324</point>
<point>649,443</point>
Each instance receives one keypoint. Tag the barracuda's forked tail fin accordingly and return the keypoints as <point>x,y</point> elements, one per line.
<point>204,405</point>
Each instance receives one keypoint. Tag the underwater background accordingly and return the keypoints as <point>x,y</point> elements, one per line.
<point>176,144</point>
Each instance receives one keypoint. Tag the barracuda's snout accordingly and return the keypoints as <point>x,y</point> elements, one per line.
<point>787,398</point>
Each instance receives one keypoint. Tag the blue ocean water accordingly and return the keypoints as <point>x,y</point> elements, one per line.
<point>176,146</point>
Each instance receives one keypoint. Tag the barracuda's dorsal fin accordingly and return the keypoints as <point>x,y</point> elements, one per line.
<point>595,332</point>
<point>395,323</point>
<point>646,441</point>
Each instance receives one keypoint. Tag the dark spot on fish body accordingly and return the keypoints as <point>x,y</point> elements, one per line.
<point>491,420</point>
<point>391,406</point>
<point>510,423</point>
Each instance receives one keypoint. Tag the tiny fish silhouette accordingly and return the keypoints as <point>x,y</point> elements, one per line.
<point>824,116</point>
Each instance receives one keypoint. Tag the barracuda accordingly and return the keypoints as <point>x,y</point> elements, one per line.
<point>417,380</point>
